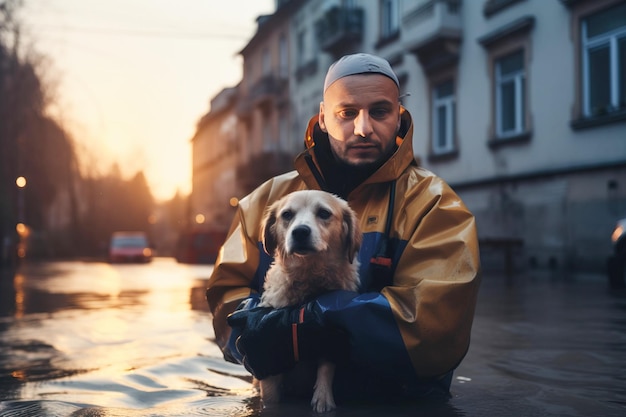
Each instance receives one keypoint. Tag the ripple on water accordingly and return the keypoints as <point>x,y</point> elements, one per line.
<point>224,407</point>
<point>584,373</point>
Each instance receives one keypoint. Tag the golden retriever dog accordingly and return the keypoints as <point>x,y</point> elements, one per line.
<point>314,237</point>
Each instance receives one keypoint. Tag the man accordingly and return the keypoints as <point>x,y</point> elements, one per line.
<point>409,326</point>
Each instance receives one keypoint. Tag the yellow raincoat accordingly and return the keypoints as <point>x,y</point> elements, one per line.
<point>410,324</point>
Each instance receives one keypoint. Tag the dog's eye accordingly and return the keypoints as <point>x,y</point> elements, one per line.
<point>324,214</point>
<point>286,215</point>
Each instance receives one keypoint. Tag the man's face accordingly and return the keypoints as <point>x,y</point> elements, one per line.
<point>361,114</point>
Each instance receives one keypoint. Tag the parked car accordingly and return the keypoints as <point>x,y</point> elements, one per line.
<point>130,247</point>
<point>199,246</point>
<point>616,264</point>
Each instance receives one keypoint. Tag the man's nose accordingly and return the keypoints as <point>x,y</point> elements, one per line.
<point>363,125</point>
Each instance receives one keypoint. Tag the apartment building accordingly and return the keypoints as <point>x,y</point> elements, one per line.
<point>519,104</point>
<point>242,140</point>
<point>215,153</point>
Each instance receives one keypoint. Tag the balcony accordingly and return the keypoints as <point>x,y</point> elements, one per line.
<point>268,90</point>
<point>433,32</point>
<point>307,69</point>
<point>340,29</point>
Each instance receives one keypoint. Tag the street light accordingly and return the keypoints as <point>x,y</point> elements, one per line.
<point>21,228</point>
<point>21,184</point>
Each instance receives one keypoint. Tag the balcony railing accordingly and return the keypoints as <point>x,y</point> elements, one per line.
<point>306,69</point>
<point>340,29</point>
<point>270,89</point>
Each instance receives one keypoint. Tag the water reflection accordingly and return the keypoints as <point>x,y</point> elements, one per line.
<point>104,321</point>
<point>93,339</point>
<point>74,285</point>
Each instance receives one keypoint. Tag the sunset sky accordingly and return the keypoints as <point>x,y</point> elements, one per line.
<point>130,79</point>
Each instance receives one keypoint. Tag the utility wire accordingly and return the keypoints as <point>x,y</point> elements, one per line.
<point>144,33</point>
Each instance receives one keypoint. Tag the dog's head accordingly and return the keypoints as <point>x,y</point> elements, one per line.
<point>311,222</point>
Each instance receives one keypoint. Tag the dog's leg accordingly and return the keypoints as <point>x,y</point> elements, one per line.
<point>270,389</point>
<point>323,399</point>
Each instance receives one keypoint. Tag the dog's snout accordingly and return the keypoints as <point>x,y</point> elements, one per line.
<point>301,233</point>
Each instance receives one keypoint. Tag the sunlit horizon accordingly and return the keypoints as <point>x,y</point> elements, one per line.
<point>130,80</point>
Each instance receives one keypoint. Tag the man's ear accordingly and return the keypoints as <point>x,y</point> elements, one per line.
<point>321,120</point>
<point>399,119</point>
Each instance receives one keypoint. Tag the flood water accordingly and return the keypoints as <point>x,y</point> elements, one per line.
<point>93,339</point>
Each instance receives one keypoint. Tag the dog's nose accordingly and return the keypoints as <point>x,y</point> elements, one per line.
<point>301,233</point>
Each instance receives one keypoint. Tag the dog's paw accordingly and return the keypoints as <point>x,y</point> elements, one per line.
<point>323,401</point>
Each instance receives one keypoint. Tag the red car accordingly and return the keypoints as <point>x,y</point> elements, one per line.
<point>129,247</point>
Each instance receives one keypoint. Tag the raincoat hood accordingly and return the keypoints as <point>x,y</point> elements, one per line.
<point>308,166</point>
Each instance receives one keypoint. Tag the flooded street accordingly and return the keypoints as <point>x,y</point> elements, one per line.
<point>93,339</point>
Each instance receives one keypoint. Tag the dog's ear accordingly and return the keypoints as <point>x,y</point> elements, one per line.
<point>268,236</point>
<point>353,236</point>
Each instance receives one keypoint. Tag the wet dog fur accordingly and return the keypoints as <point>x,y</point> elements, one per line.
<point>314,237</point>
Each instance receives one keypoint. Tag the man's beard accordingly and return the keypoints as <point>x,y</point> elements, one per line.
<point>359,169</point>
<point>362,168</point>
<point>341,176</point>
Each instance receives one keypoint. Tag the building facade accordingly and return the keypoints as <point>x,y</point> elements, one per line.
<point>519,104</point>
<point>215,150</point>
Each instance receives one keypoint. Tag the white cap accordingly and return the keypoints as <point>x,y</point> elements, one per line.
<point>359,64</point>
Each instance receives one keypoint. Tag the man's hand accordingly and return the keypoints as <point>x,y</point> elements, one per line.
<point>273,340</point>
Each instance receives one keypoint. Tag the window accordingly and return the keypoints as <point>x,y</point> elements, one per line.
<point>510,95</point>
<point>267,62</point>
<point>443,113</point>
<point>269,144</point>
<point>389,18</point>
<point>599,30</point>
<point>603,37</point>
<point>306,55</point>
<point>283,57</point>
<point>509,49</point>
<point>283,135</point>
<point>300,50</point>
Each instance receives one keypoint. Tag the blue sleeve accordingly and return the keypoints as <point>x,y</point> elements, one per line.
<point>230,350</point>
<point>375,339</point>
